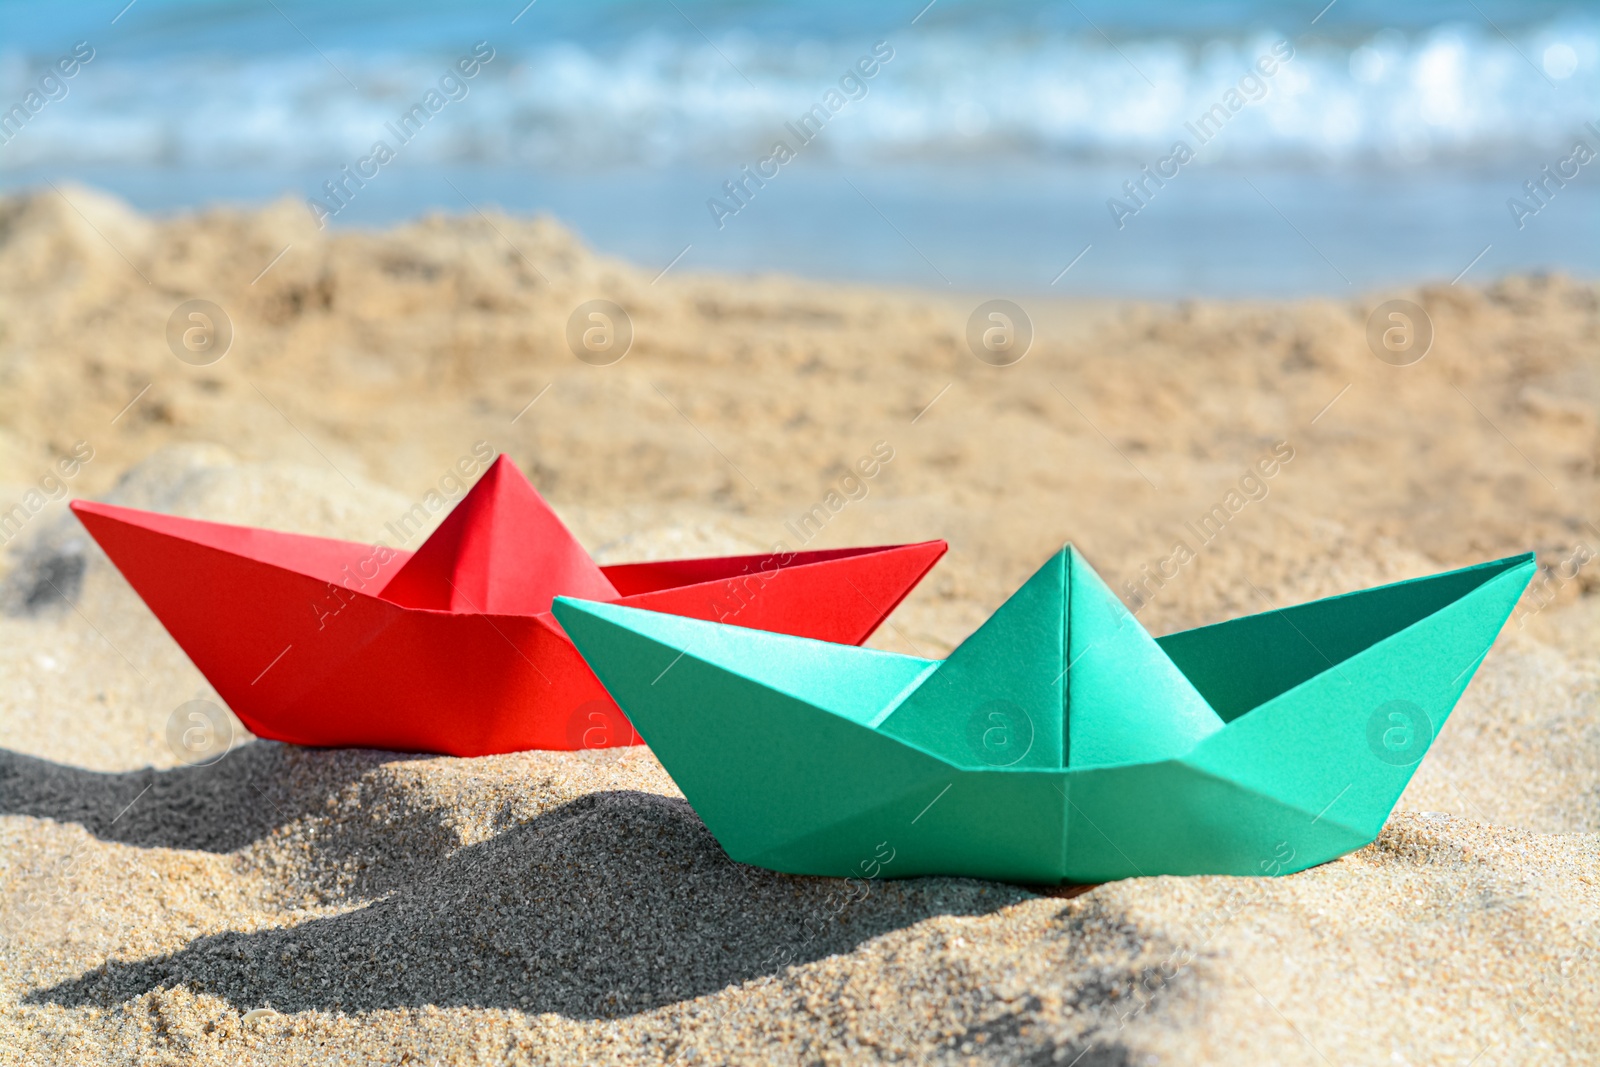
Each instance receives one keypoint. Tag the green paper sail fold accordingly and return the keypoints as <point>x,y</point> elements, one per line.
<point>999,699</point>
<point>1128,702</point>
<point>1060,742</point>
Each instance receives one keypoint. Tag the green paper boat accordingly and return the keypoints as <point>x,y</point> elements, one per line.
<point>1060,742</point>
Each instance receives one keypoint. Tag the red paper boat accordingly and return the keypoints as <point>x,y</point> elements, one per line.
<point>452,648</point>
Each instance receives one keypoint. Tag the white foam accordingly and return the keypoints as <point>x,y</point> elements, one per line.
<point>1449,93</point>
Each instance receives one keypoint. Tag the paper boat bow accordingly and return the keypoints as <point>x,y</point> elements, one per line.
<point>1061,742</point>
<point>452,649</point>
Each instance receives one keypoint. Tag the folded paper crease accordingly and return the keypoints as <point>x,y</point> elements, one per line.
<point>452,648</point>
<point>1060,742</point>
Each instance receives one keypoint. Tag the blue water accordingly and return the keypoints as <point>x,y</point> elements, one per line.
<point>983,153</point>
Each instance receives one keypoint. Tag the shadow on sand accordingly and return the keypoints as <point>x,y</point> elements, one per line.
<point>614,903</point>
<point>247,794</point>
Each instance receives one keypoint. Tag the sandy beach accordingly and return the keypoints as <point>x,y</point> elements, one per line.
<point>287,905</point>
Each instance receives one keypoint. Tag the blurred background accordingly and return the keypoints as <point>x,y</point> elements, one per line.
<point>1179,322</point>
<point>980,155</point>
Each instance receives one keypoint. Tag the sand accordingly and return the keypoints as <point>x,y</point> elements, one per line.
<point>297,906</point>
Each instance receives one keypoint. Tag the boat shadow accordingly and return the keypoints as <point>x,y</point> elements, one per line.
<point>612,904</point>
<point>221,807</point>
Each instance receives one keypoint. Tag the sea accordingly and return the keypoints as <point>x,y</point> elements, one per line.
<point>1080,147</point>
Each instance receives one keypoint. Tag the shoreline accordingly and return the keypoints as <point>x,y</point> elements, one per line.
<point>1007,231</point>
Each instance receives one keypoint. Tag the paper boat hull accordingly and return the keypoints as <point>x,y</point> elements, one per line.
<point>795,774</point>
<point>297,642</point>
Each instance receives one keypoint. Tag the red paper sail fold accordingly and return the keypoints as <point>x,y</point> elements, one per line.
<point>452,648</point>
<point>502,551</point>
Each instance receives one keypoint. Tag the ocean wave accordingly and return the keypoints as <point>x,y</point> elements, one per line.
<point>1453,92</point>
